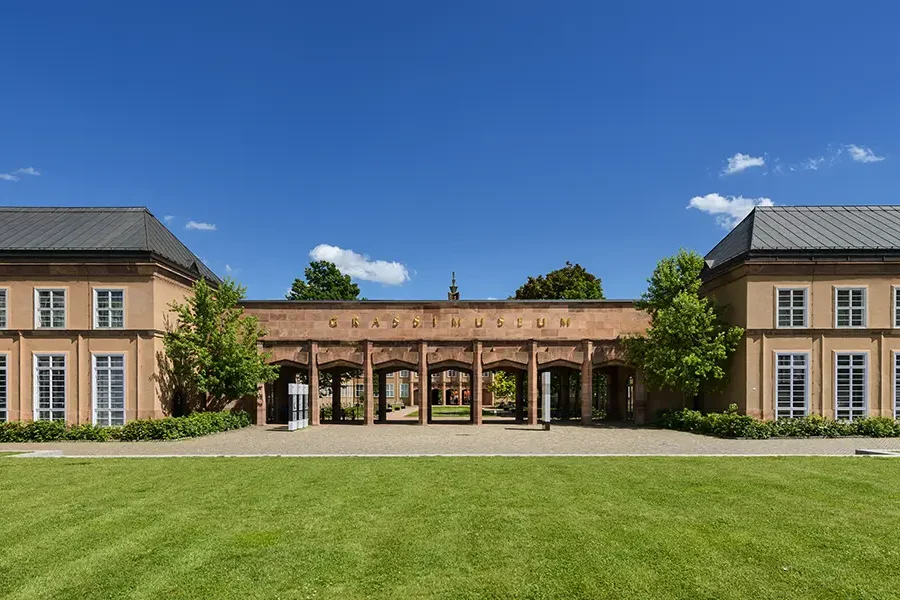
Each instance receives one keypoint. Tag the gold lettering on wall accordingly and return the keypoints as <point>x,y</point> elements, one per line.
<point>541,321</point>
<point>499,321</point>
<point>479,321</point>
<point>564,321</point>
<point>375,322</point>
<point>354,322</point>
<point>416,322</point>
<point>454,321</point>
<point>332,322</point>
<point>395,321</point>
<point>518,321</point>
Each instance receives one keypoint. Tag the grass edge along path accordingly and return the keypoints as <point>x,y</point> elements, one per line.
<point>724,528</point>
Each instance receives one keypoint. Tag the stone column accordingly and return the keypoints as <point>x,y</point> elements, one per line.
<point>587,383</point>
<point>313,384</point>
<point>443,387</point>
<point>532,384</point>
<point>475,404</point>
<point>369,400</point>
<point>335,396</point>
<point>520,396</point>
<point>261,404</point>
<point>382,397</point>
<point>640,398</point>
<point>424,383</point>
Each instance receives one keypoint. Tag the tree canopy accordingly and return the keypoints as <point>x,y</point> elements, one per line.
<point>323,282</point>
<point>212,349</point>
<point>571,282</point>
<point>687,345</point>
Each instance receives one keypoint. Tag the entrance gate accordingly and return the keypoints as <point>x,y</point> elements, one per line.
<point>299,417</point>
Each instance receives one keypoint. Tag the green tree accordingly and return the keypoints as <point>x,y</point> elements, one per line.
<point>503,385</point>
<point>323,282</point>
<point>572,282</point>
<point>212,348</point>
<point>687,345</point>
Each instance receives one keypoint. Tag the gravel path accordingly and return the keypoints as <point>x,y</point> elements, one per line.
<point>404,439</point>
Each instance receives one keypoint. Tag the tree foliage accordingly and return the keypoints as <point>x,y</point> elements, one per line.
<point>687,345</point>
<point>323,282</point>
<point>212,348</point>
<point>503,385</point>
<point>571,282</point>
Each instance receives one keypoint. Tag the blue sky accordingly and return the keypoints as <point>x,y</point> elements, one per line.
<point>496,139</point>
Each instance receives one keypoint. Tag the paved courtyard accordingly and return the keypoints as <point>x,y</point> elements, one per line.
<point>401,439</point>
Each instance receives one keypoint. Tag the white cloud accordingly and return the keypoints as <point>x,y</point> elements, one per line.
<point>201,226</point>
<point>14,175</point>
<point>728,210</point>
<point>740,162</point>
<point>812,164</point>
<point>168,219</point>
<point>360,266</point>
<point>228,268</point>
<point>863,154</point>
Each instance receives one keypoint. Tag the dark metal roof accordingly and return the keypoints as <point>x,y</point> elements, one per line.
<point>80,230</point>
<point>808,230</point>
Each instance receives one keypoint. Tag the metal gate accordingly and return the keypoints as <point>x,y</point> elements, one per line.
<point>299,415</point>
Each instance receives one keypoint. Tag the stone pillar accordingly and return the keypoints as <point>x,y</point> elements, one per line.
<point>369,400</point>
<point>313,384</point>
<point>520,396</point>
<point>640,398</point>
<point>475,404</point>
<point>587,383</point>
<point>532,384</point>
<point>261,404</point>
<point>424,383</point>
<point>382,397</point>
<point>335,396</point>
<point>443,387</point>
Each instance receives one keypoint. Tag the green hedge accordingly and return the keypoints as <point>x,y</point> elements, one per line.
<point>730,424</point>
<point>170,428</point>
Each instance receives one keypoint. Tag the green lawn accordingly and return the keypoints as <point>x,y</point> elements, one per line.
<point>643,528</point>
<point>460,412</point>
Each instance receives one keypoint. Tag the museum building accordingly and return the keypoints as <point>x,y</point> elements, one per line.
<point>85,295</point>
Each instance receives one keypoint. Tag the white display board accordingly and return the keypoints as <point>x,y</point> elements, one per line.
<point>299,406</point>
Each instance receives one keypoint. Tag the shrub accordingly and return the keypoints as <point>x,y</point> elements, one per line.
<point>170,428</point>
<point>325,412</point>
<point>731,424</point>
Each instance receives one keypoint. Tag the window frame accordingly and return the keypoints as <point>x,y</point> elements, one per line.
<point>401,390</point>
<point>806,396</point>
<point>35,400</point>
<point>389,390</point>
<point>5,310</point>
<point>124,357</point>
<point>895,314</point>
<point>96,311</point>
<point>805,290</point>
<point>402,371</point>
<point>865,307</point>
<point>37,307</point>
<point>864,353</point>
<point>4,411</point>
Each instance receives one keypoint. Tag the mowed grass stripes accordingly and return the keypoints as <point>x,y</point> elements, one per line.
<point>450,528</point>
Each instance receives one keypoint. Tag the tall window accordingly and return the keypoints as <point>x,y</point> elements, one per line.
<point>850,307</point>
<point>850,396</point>
<point>3,319</point>
<point>792,307</point>
<point>49,387</point>
<point>360,390</point>
<point>389,390</point>
<point>897,385</point>
<point>3,390</point>
<point>404,390</point>
<point>50,308</point>
<point>791,385</point>
<point>109,309</point>
<point>109,389</point>
<point>896,307</point>
<point>346,391</point>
